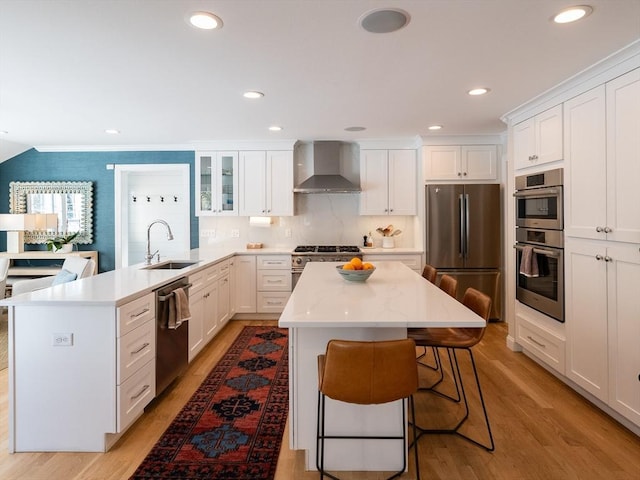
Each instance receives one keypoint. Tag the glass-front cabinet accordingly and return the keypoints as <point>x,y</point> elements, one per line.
<point>216,183</point>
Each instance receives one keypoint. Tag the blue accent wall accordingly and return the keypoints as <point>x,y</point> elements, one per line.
<point>34,166</point>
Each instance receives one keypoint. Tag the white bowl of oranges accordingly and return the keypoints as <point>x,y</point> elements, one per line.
<point>356,270</point>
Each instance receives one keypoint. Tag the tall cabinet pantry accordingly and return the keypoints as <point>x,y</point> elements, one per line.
<point>602,248</point>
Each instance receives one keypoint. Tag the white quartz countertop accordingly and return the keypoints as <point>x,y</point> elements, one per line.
<point>393,296</point>
<point>120,286</point>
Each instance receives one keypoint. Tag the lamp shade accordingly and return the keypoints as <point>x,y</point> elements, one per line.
<point>17,222</point>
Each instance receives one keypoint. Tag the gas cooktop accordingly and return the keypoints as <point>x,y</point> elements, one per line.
<point>327,249</point>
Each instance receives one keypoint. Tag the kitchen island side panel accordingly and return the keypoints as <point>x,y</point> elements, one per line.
<point>63,393</point>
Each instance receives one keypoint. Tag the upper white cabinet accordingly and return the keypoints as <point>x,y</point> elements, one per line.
<point>468,162</point>
<point>266,183</point>
<point>216,183</point>
<point>388,181</point>
<point>538,140</point>
<point>602,170</point>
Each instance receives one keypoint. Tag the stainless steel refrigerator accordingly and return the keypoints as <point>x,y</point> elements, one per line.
<point>463,237</point>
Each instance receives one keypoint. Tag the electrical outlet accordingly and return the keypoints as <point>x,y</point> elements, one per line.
<point>287,232</point>
<point>235,233</point>
<point>62,339</point>
<point>209,233</point>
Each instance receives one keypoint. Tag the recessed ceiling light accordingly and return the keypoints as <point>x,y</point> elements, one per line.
<point>572,14</point>
<point>478,91</point>
<point>3,132</point>
<point>205,20</point>
<point>385,20</point>
<point>253,94</point>
<point>112,131</point>
<point>275,128</point>
<point>355,129</point>
<point>435,127</point>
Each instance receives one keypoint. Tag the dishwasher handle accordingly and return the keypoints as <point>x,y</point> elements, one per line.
<point>164,298</point>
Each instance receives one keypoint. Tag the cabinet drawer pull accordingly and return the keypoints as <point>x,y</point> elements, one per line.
<point>274,303</point>
<point>274,281</point>
<point>137,395</point>
<point>144,345</point>
<point>136,315</point>
<point>536,342</point>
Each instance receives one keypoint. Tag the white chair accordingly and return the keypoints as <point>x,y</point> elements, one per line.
<point>73,268</point>
<point>4,270</point>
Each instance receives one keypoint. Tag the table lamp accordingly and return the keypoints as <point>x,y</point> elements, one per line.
<point>15,225</point>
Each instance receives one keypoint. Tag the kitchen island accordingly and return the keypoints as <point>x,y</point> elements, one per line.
<point>323,306</point>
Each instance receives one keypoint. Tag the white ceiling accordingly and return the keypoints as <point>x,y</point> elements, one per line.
<point>71,69</point>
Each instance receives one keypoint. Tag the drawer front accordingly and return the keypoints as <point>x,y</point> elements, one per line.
<point>135,394</point>
<point>135,313</point>
<point>274,280</point>
<point>272,302</point>
<point>197,281</point>
<point>541,343</point>
<point>223,267</point>
<point>274,262</point>
<point>135,349</point>
<point>211,274</point>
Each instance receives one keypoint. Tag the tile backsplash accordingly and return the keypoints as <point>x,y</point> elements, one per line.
<point>320,219</point>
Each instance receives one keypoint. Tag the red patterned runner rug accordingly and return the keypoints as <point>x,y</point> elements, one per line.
<point>232,426</point>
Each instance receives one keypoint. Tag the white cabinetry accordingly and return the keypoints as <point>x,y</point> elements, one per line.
<point>388,181</point>
<point>468,162</point>
<point>196,306</point>
<point>602,152</point>
<point>136,353</point>
<point>538,140</point>
<point>209,298</point>
<point>266,183</point>
<point>245,288</point>
<point>541,336</point>
<point>216,183</point>
<point>602,305</point>
<point>273,282</point>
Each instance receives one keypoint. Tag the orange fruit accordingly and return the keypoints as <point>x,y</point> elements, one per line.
<point>367,266</point>
<point>348,266</point>
<point>357,263</point>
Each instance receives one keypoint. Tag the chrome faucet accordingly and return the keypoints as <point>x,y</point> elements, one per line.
<point>149,256</point>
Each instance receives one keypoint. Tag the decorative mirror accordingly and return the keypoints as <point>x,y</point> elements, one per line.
<point>71,201</point>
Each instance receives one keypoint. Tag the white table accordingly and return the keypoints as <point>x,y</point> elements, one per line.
<point>324,306</point>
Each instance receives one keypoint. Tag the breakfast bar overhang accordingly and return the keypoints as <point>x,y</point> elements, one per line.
<point>323,306</point>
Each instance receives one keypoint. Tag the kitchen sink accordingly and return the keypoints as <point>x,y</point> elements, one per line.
<point>170,265</point>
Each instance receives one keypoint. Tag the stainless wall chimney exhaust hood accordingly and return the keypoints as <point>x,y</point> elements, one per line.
<point>326,177</point>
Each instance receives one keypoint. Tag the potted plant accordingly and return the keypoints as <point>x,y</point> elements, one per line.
<point>61,243</point>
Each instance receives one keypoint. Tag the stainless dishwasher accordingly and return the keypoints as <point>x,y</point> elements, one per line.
<point>172,344</point>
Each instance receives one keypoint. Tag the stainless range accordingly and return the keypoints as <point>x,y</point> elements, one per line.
<point>320,253</point>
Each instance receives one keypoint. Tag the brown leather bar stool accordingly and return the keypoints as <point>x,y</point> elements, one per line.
<point>449,285</point>
<point>367,373</point>
<point>430,273</point>
<point>454,339</point>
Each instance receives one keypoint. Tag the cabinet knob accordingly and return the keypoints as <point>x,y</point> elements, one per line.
<point>465,174</point>
<point>608,230</point>
<point>391,209</point>
<point>599,257</point>
<point>608,259</point>
<point>459,174</point>
<point>599,229</point>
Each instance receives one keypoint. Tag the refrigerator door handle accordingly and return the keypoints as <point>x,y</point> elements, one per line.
<point>466,227</point>
<point>461,216</point>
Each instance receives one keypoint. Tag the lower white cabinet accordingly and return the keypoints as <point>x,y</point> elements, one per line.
<point>245,288</point>
<point>273,282</point>
<point>541,336</point>
<point>602,318</point>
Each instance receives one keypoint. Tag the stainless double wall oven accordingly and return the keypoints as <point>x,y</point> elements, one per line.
<point>540,239</point>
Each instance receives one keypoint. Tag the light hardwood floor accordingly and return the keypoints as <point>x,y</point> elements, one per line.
<point>543,430</point>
